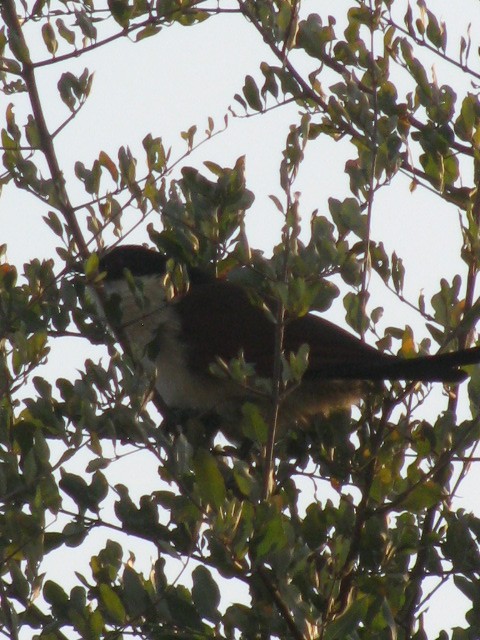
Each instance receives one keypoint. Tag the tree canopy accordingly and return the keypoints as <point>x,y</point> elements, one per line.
<point>119,519</point>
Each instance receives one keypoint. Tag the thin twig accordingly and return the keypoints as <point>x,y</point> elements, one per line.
<point>280,604</point>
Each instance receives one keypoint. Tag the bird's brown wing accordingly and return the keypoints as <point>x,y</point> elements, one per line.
<point>244,327</point>
<point>334,353</point>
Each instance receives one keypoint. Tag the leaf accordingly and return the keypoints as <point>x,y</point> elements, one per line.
<point>49,38</point>
<point>239,99</point>
<point>92,265</point>
<point>272,535</point>
<point>376,314</point>
<point>244,480</point>
<point>398,273</point>
<point>105,160</point>
<point>66,33</point>
<point>183,612</point>
<point>66,87</point>
<point>32,133</point>
<point>54,594</point>
<point>436,32</point>
<point>112,603</point>
<point>277,203</point>
<point>356,316</point>
<point>209,480</point>
<point>205,594</point>
<point>270,85</point>
<point>345,625</point>
<point>98,488</point>
<point>459,546</point>
<point>467,587</point>
<point>252,94</point>
<point>19,587</point>
<point>74,533</point>
<point>298,363</point>
<point>86,24</point>
<point>189,135</point>
<point>408,349</point>
<point>135,594</point>
<point>424,496</point>
<point>121,11</point>
<point>312,36</point>
<point>408,19</point>
<point>348,216</point>
<point>53,221</point>
<point>74,486</point>
<point>253,425</point>
<point>147,32</point>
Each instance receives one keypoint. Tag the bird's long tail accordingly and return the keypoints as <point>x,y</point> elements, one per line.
<point>442,367</point>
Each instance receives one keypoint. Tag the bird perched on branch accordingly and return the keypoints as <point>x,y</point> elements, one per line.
<point>216,319</point>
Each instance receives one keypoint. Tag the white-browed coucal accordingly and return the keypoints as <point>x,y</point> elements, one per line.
<point>217,319</point>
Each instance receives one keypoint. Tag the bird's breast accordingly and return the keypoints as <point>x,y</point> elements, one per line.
<point>154,332</point>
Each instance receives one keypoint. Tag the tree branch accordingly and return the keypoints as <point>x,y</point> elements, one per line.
<point>10,17</point>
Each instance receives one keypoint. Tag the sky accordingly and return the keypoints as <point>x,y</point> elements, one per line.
<point>182,76</point>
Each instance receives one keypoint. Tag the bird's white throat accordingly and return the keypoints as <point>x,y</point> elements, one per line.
<point>153,329</point>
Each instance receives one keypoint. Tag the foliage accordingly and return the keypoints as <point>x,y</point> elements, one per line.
<point>349,559</point>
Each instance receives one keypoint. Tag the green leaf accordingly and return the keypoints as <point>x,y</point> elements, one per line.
<point>272,535</point>
<point>19,587</point>
<point>252,94</point>
<point>54,594</point>
<point>270,85</point>
<point>112,603</point>
<point>156,154</point>
<point>398,273</point>
<point>91,265</point>
<point>189,135</point>
<point>425,495</point>
<point>183,612</point>
<point>86,24</point>
<point>209,479</point>
<point>49,38</point>
<point>74,533</point>
<point>205,594</point>
<point>460,547</point>
<point>53,221</point>
<point>312,36</point>
<point>356,316</point>
<point>98,488</point>
<point>121,11</point>
<point>244,480</point>
<point>467,587</point>
<point>436,32</point>
<point>135,594</point>
<point>74,485</point>
<point>32,133</point>
<point>347,216</point>
<point>349,621</point>
<point>66,33</point>
<point>254,426</point>
<point>149,31</point>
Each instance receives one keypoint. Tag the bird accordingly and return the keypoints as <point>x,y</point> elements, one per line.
<point>216,320</point>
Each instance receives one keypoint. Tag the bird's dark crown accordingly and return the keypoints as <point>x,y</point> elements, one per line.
<point>142,261</point>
